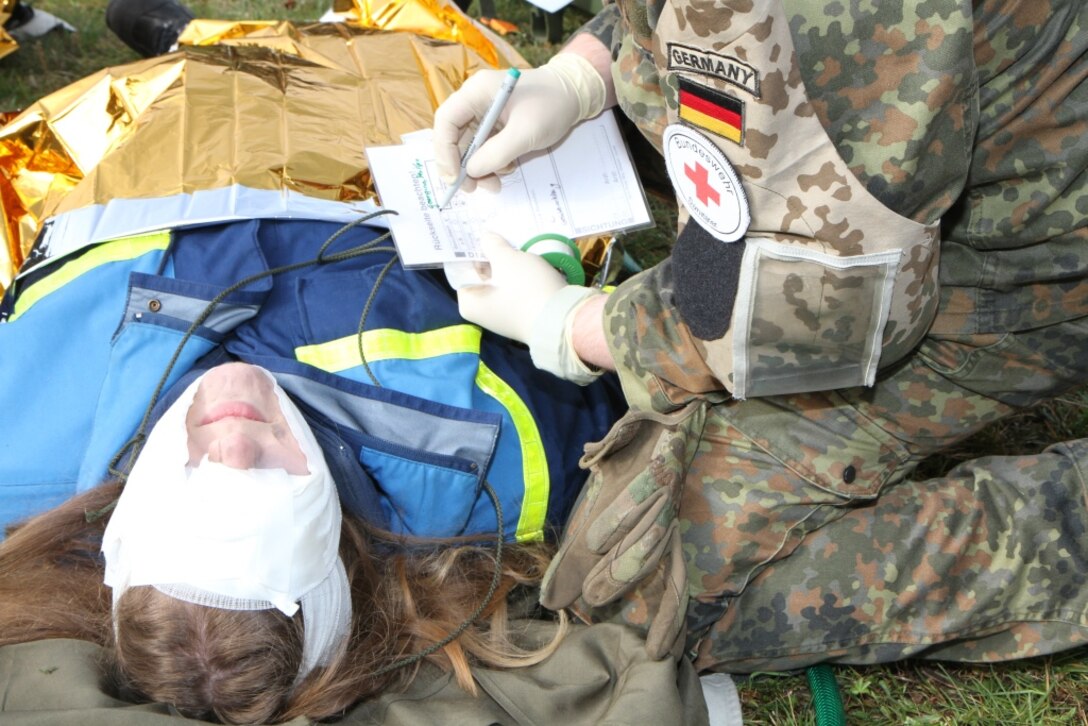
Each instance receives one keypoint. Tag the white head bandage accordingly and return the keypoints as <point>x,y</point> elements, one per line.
<point>238,539</point>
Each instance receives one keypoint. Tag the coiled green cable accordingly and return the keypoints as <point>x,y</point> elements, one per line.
<point>825,696</point>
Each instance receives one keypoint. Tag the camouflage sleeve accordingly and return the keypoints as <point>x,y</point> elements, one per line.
<point>1013,252</point>
<point>605,26</point>
<point>994,113</point>
<point>660,363</point>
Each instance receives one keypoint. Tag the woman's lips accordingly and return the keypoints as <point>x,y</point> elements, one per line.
<point>232,409</point>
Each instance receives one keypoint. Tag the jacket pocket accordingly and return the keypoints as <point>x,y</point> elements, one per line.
<point>158,312</point>
<point>425,495</point>
<point>139,356</point>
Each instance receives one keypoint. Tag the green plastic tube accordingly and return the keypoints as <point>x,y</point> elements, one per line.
<point>825,696</point>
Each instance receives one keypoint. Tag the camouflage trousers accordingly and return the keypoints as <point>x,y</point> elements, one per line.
<point>806,540</point>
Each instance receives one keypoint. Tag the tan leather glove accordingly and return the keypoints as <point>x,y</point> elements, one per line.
<point>623,533</point>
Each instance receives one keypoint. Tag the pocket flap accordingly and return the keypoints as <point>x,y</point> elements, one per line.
<point>429,496</point>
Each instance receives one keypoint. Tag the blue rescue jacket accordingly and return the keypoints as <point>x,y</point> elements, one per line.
<point>437,407</point>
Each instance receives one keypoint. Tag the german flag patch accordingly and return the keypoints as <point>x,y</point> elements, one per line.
<point>717,112</point>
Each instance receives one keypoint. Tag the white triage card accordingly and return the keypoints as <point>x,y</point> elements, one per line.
<point>584,185</point>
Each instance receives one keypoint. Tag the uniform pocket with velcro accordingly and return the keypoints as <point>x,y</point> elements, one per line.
<point>805,320</point>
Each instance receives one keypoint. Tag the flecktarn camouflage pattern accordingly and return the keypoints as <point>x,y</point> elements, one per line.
<point>803,537</point>
<point>831,283</point>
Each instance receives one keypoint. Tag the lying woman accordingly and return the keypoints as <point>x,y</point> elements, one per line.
<point>236,412</point>
<point>145,207</point>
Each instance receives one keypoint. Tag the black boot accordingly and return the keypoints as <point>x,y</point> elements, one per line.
<point>26,23</point>
<point>149,27</point>
<point>21,13</point>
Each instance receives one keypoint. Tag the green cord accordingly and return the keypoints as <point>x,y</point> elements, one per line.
<point>825,696</point>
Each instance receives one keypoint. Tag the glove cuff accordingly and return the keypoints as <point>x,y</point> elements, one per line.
<point>583,80</point>
<point>550,343</point>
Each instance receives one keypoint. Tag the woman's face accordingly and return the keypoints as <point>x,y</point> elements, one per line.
<point>235,420</point>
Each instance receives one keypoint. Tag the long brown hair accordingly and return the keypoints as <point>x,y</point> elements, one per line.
<point>241,666</point>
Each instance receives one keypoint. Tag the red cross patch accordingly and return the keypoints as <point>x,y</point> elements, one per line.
<point>704,190</point>
<point>706,183</point>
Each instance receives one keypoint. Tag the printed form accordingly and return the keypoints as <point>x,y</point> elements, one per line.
<point>583,186</point>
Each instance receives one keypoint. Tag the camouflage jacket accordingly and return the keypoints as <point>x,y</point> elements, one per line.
<point>950,112</point>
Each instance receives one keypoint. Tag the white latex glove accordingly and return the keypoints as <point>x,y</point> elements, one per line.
<point>546,103</point>
<point>527,300</point>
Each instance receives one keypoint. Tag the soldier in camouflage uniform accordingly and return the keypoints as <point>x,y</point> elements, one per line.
<point>783,529</point>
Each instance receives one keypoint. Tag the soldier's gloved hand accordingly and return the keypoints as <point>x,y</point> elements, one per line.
<point>545,104</point>
<point>527,300</point>
<point>623,533</point>
<point>638,545</point>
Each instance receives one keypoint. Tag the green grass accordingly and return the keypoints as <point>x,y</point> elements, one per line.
<point>55,60</point>
<point>59,58</point>
<point>1051,690</point>
<point>1042,691</point>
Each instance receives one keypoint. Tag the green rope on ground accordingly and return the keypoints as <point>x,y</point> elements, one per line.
<point>825,696</point>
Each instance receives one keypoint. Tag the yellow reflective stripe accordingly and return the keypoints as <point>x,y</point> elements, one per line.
<point>125,248</point>
<point>534,464</point>
<point>386,343</point>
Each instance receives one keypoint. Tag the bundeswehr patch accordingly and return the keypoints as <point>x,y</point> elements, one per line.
<point>705,183</point>
<point>723,67</point>
<point>712,110</point>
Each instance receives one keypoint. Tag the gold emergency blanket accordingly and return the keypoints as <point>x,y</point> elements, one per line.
<point>263,105</point>
<point>7,43</point>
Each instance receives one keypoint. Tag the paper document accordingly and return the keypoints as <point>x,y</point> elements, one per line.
<point>583,186</point>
